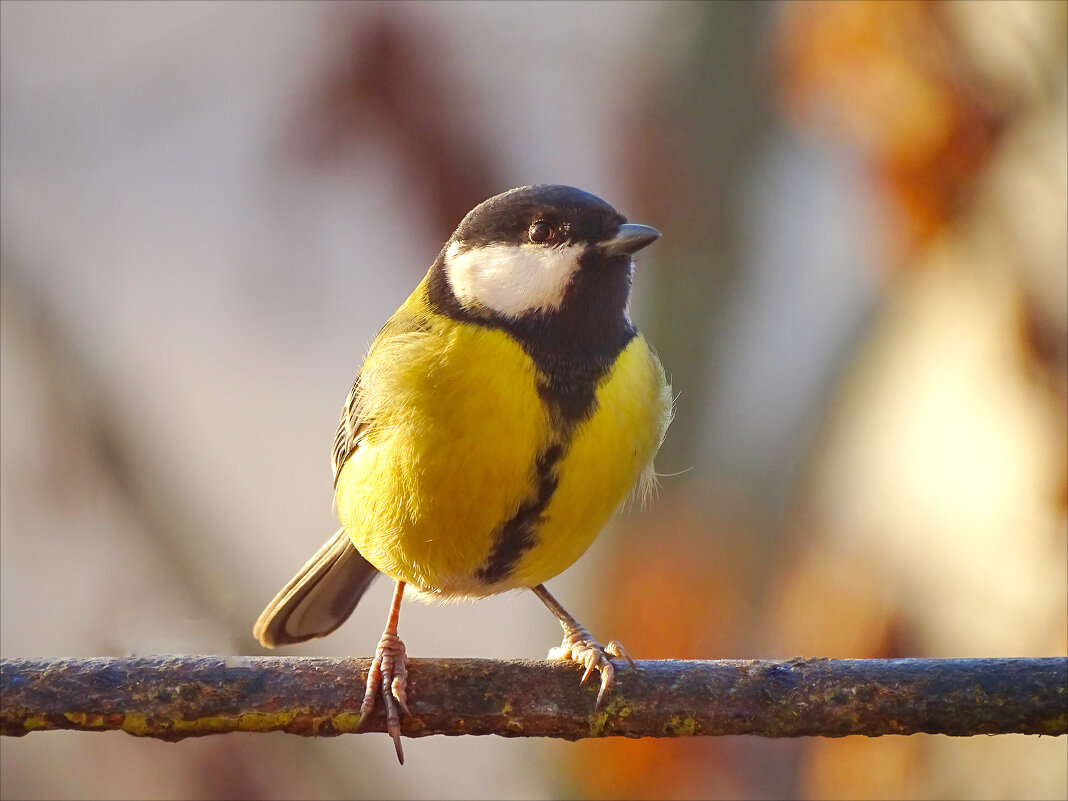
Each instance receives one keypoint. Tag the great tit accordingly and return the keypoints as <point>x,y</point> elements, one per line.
<point>501,417</point>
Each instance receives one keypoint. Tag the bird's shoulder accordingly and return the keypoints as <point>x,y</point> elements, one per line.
<point>413,320</point>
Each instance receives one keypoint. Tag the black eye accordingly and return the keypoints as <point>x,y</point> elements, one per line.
<point>541,232</point>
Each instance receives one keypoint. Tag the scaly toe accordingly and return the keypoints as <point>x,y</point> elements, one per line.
<point>388,676</point>
<point>374,678</point>
<point>579,647</point>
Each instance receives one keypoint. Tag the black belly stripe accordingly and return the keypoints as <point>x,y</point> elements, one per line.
<point>519,534</point>
<point>573,350</point>
<point>569,403</point>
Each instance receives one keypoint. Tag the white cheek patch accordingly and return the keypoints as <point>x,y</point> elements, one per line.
<point>512,279</point>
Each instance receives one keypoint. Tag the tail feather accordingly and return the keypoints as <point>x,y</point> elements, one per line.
<point>319,598</point>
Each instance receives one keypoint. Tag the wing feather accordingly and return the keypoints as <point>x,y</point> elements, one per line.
<point>349,431</point>
<point>414,316</point>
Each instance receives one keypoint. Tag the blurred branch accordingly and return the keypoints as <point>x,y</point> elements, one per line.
<point>173,697</point>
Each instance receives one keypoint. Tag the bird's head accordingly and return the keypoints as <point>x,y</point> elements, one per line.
<point>543,252</point>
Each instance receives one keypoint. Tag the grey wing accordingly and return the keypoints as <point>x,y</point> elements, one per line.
<point>319,598</point>
<point>326,590</point>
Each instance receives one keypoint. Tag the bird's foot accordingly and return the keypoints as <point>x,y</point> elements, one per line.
<point>578,646</point>
<point>389,676</point>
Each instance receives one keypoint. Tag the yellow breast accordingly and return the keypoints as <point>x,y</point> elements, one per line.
<point>456,429</point>
<point>457,424</point>
<point>606,457</point>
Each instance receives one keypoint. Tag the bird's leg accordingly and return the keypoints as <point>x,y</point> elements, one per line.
<point>579,646</point>
<point>388,675</point>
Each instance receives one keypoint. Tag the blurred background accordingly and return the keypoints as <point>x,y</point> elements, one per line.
<point>861,298</point>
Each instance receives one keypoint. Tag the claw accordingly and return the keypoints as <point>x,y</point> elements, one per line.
<point>589,670</point>
<point>388,676</point>
<point>616,649</point>
<point>606,679</point>
<point>578,646</point>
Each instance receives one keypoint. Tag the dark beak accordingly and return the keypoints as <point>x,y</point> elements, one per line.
<point>630,239</point>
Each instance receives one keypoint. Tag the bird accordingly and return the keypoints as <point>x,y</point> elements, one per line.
<point>501,417</point>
